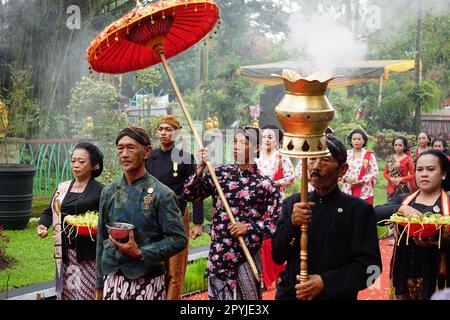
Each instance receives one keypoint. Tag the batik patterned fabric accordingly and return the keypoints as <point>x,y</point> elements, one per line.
<point>247,288</point>
<point>159,232</point>
<point>117,287</point>
<point>269,167</point>
<point>253,200</point>
<point>79,278</point>
<point>354,168</point>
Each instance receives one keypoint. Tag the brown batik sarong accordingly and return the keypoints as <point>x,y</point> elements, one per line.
<point>117,287</point>
<point>247,288</point>
<point>79,278</point>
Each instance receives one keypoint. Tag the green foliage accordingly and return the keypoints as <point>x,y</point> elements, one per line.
<point>383,142</point>
<point>203,240</point>
<point>98,99</point>
<point>428,93</point>
<point>400,43</point>
<point>436,50</point>
<point>90,95</point>
<point>395,110</point>
<point>345,120</point>
<point>111,172</point>
<point>152,127</point>
<point>228,96</point>
<point>107,124</point>
<point>24,112</point>
<point>194,278</point>
<point>148,77</point>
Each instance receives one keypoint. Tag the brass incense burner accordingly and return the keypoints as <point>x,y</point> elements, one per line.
<point>304,113</point>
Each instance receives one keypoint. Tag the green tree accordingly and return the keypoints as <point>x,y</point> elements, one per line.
<point>148,77</point>
<point>89,96</point>
<point>24,111</point>
<point>345,120</point>
<point>228,96</point>
<point>428,93</point>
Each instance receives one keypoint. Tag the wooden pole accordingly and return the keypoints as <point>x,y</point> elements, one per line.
<point>247,254</point>
<point>304,227</point>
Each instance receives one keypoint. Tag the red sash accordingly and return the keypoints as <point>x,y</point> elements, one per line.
<point>279,167</point>
<point>356,190</point>
<point>445,211</point>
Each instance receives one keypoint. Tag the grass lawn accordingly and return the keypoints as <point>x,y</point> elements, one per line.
<point>203,240</point>
<point>34,263</point>
<point>33,258</point>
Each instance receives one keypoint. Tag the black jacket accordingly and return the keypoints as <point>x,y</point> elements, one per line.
<point>342,246</point>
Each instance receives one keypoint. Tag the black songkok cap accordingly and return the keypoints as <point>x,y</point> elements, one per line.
<point>135,133</point>
<point>337,149</point>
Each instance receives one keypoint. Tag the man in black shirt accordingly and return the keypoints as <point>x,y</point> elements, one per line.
<point>172,167</point>
<point>343,250</point>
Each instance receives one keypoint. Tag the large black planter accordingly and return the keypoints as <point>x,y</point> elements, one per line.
<point>16,194</point>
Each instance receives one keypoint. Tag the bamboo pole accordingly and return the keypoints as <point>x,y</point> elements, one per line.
<point>304,227</point>
<point>160,51</point>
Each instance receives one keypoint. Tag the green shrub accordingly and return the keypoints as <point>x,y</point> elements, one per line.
<point>383,142</point>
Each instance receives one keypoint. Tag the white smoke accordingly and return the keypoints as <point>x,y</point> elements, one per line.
<point>322,41</point>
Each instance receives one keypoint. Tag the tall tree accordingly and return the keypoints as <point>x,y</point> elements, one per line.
<point>418,74</point>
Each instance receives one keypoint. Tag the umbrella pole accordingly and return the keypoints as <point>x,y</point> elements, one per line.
<point>160,52</point>
<point>304,227</point>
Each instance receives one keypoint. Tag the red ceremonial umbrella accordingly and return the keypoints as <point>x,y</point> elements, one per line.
<point>147,36</point>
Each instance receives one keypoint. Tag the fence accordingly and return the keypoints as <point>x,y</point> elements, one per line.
<point>52,161</point>
<point>52,157</point>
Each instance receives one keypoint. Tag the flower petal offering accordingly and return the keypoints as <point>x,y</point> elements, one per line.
<point>84,224</point>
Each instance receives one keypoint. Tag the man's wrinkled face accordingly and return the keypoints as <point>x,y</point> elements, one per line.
<point>324,172</point>
<point>131,154</point>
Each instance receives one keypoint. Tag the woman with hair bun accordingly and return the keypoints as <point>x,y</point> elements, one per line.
<point>362,172</point>
<point>399,169</point>
<point>420,267</point>
<point>423,141</point>
<point>441,145</point>
<point>75,254</point>
<point>279,169</point>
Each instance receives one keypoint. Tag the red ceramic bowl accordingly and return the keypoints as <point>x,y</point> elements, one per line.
<point>421,231</point>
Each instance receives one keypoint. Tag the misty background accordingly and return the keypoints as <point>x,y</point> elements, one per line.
<point>44,72</point>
